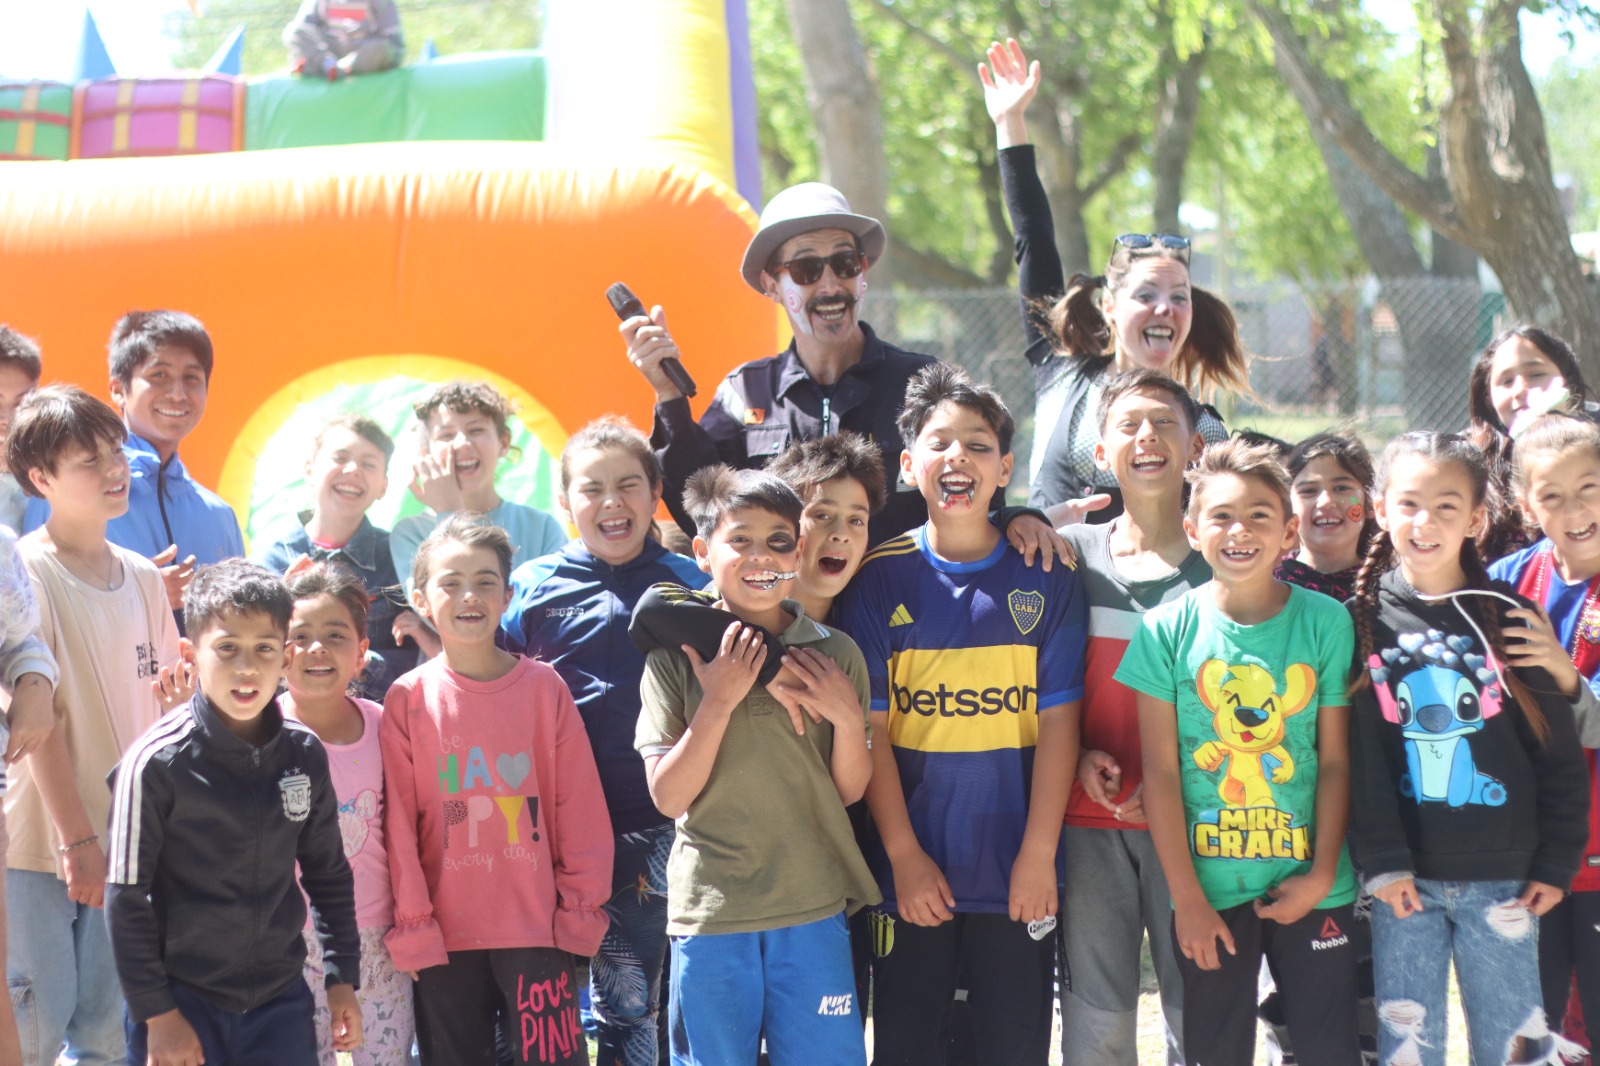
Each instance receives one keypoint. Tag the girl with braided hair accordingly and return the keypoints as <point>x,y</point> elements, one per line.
<point>1469,792</point>
<point>1142,312</point>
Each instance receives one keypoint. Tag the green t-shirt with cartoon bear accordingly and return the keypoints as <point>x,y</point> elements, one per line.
<point>1247,699</point>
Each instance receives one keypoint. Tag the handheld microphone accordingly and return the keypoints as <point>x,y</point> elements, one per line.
<point>627,305</point>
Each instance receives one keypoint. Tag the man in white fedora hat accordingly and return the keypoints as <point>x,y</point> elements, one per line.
<point>811,254</point>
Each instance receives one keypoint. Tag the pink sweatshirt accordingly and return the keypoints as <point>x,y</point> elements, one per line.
<point>497,828</point>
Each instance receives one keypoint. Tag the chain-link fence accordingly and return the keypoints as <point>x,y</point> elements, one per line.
<point>1377,358</point>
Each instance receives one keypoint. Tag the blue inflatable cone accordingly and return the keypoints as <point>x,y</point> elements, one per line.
<point>430,51</point>
<point>93,61</point>
<point>229,56</point>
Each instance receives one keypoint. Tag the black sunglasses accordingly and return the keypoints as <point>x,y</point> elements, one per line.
<point>1141,242</point>
<point>807,269</point>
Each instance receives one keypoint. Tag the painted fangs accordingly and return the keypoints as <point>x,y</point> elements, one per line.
<point>767,580</point>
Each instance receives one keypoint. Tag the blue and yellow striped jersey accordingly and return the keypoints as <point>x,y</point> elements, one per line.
<point>962,657</point>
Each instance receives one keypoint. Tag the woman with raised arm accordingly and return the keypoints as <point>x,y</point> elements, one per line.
<point>1142,312</point>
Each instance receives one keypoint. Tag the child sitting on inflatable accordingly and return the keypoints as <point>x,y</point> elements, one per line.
<point>332,38</point>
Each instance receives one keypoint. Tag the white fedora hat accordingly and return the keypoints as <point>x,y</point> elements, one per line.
<point>805,208</point>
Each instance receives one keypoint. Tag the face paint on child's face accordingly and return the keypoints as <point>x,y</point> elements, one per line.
<point>1331,505</point>
<point>751,558</point>
<point>956,461</point>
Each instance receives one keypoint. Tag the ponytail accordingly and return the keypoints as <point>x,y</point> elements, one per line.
<point>1213,359</point>
<point>1077,321</point>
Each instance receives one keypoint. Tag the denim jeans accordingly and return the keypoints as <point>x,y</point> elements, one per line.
<point>62,978</point>
<point>1495,945</point>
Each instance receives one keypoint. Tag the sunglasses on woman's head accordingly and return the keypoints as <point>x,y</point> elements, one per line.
<point>807,269</point>
<point>1143,242</point>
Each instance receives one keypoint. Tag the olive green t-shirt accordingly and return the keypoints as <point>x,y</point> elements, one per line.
<point>767,843</point>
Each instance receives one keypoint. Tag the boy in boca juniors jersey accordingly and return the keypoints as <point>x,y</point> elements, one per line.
<point>976,669</point>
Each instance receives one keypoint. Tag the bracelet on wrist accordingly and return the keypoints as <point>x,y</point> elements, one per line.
<point>85,842</point>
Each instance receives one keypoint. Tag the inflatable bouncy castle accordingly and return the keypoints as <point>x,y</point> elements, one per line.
<point>350,244</point>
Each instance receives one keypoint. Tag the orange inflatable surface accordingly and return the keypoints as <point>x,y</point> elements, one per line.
<point>355,275</point>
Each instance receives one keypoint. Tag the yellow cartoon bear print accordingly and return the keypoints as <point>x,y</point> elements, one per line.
<point>1250,718</point>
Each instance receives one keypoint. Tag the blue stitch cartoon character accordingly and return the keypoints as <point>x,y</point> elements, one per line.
<point>1439,693</point>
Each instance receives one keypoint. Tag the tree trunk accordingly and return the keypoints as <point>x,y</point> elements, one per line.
<point>1497,195</point>
<point>843,97</point>
<point>1177,112</point>
<point>1433,390</point>
<point>1450,259</point>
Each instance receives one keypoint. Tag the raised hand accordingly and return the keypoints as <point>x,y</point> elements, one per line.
<point>173,685</point>
<point>433,481</point>
<point>1009,83</point>
<point>175,575</point>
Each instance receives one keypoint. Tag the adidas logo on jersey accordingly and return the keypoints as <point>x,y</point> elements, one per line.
<point>900,617</point>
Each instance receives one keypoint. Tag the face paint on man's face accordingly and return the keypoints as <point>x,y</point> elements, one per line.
<point>794,301</point>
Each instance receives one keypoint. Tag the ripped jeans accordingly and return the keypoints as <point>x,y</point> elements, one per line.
<point>1495,944</point>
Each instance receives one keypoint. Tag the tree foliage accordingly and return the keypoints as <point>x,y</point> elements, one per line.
<point>1105,63</point>
<point>1571,95</point>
